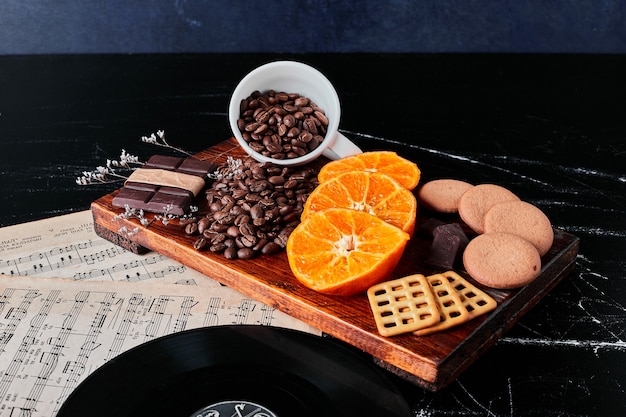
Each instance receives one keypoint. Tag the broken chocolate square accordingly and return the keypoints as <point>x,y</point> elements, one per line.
<point>449,241</point>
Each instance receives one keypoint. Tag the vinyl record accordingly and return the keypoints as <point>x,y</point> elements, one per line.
<point>237,371</point>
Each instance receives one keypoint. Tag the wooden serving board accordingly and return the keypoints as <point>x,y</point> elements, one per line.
<point>431,361</point>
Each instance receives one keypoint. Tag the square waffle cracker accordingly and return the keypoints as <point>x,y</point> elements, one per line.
<point>476,301</point>
<point>403,305</point>
<point>452,311</point>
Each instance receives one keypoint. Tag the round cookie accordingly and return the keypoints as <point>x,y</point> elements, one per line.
<point>522,219</point>
<point>442,195</point>
<point>502,260</point>
<point>476,202</point>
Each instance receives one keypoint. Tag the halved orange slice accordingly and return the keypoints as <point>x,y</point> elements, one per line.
<point>371,192</point>
<point>386,162</point>
<point>343,252</point>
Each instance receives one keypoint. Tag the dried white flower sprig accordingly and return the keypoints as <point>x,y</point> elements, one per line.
<point>112,172</point>
<point>117,170</point>
<point>165,218</point>
<point>233,167</point>
<point>158,139</point>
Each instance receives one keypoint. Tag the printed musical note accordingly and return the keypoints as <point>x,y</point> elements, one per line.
<point>55,332</point>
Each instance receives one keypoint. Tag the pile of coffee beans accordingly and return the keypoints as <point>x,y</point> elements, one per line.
<point>281,125</point>
<point>252,209</point>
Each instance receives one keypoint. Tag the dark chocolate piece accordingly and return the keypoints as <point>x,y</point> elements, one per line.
<point>449,241</point>
<point>159,198</point>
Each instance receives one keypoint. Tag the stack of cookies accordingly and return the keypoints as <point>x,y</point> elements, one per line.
<point>513,235</point>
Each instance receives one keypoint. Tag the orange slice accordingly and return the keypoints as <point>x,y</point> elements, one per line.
<point>344,252</point>
<point>372,192</point>
<point>386,162</point>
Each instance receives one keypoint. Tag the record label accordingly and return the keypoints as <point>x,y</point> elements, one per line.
<point>234,409</point>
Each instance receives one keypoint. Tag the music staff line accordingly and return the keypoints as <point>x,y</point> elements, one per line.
<point>126,316</point>
<point>83,254</point>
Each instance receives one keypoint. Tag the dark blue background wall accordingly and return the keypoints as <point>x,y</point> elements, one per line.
<point>135,26</point>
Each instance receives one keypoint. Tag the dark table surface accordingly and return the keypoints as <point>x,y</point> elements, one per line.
<point>552,128</point>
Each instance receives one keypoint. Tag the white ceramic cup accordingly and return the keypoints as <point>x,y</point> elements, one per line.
<point>294,77</point>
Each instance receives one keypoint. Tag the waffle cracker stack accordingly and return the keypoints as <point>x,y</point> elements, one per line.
<point>403,305</point>
<point>424,305</point>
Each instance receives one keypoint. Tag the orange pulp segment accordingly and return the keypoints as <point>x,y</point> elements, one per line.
<point>372,192</point>
<point>400,169</point>
<point>344,252</point>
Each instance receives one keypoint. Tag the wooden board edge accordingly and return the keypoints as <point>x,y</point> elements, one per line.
<point>276,296</point>
<point>423,372</point>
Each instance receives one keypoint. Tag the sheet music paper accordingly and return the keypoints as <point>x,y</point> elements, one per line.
<point>55,331</point>
<point>67,246</point>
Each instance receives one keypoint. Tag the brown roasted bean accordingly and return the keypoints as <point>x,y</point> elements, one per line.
<point>259,221</point>
<point>261,129</point>
<point>282,114</point>
<point>230,253</point>
<point>203,224</point>
<point>290,108</point>
<point>252,126</point>
<point>310,126</point>
<point>245,253</point>
<point>245,229</point>
<point>270,248</point>
<point>314,142</point>
<point>291,184</point>
<point>256,212</point>
<point>293,132</point>
<point>319,115</point>
<point>248,241</point>
<point>301,101</point>
<point>254,207</point>
<point>241,219</point>
<point>191,228</point>
<point>289,120</point>
<point>276,180</point>
<point>199,244</point>
<point>263,116</point>
<point>233,231</point>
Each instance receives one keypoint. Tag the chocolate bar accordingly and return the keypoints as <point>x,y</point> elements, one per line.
<point>165,184</point>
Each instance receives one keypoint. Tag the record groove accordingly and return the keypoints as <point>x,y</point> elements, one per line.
<point>283,371</point>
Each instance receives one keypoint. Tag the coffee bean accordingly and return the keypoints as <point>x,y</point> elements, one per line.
<point>191,228</point>
<point>245,253</point>
<point>203,224</point>
<point>199,244</point>
<point>301,101</point>
<point>233,231</point>
<point>253,208</point>
<point>267,117</point>
<point>270,248</point>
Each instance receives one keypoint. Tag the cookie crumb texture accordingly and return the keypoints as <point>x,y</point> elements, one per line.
<point>476,202</point>
<point>443,195</point>
<point>502,260</point>
<point>522,219</point>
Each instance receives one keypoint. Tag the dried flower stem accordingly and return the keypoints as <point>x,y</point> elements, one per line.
<point>158,139</point>
<point>117,170</point>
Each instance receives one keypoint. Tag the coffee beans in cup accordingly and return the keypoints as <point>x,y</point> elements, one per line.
<point>281,125</point>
